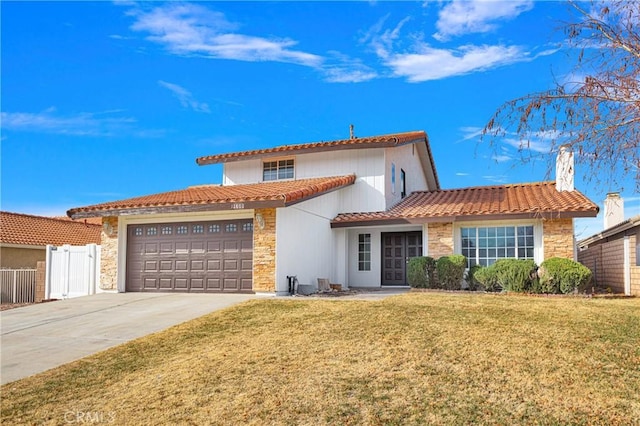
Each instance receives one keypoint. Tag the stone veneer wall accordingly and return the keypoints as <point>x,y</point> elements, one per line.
<point>264,252</point>
<point>557,238</point>
<point>41,271</point>
<point>109,255</point>
<point>440,239</point>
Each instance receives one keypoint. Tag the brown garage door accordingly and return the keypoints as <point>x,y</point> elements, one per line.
<point>211,256</point>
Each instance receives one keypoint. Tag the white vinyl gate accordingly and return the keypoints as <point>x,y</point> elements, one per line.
<point>72,271</point>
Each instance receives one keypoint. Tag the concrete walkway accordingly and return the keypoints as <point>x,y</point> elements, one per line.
<point>46,335</point>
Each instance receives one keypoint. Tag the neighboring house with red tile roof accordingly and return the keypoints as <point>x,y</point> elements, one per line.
<point>23,237</point>
<point>352,211</point>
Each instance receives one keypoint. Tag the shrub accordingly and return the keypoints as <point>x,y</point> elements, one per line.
<point>487,278</point>
<point>431,272</point>
<point>473,282</point>
<point>417,272</point>
<point>450,271</point>
<point>516,275</point>
<point>421,272</point>
<point>558,275</point>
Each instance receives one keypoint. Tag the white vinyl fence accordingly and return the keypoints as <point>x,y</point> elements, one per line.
<point>72,271</point>
<point>17,285</point>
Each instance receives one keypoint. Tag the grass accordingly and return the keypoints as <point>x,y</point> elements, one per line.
<point>420,358</point>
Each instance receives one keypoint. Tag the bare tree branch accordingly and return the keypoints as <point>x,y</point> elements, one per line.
<point>598,117</point>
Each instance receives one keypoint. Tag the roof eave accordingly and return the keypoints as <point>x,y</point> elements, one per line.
<point>203,161</point>
<point>184,208</point>
<point>462,218</point>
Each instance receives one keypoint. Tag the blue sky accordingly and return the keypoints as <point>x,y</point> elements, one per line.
<point>104,101</point>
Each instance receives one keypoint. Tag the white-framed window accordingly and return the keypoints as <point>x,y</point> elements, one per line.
<point>393,178</point>
<point>278,170</point>
<point>483,245</point>
<point>364,252</point>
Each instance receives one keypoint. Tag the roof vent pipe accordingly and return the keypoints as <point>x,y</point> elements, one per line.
<point>564,169</point>
<point>351,135</point>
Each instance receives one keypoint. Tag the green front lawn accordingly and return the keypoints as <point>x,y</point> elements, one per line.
<point>420,358</point>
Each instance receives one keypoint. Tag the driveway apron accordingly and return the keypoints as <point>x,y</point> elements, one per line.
<point>46,335</point>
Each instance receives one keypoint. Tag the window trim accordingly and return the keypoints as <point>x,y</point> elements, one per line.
<point>277,160</point>
<point>364,265</point>
<point>538,246</point>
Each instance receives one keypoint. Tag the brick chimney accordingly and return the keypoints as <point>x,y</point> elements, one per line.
<point>613,210</point>
<point>564,169</point>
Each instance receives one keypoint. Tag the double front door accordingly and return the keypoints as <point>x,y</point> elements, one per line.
<point>397,249</point>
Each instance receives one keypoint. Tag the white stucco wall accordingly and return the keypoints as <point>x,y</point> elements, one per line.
<point>367,194</point>
<point>306,246</point>
<point>404,158</point>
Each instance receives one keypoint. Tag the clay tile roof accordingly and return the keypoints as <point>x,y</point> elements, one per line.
<point>528,200</point>
<point>23,229</point>
<point>216,197</point>
<point>394,139</point>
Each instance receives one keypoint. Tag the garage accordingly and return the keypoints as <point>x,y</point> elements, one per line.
<point>212,256</point>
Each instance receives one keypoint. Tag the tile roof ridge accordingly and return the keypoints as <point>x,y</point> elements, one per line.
<point>494,186</point>
<point>51,218</point>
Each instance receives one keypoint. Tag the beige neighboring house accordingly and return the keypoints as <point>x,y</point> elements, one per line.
<point>613,255</point>
<point>351,211</point>
<point>23,237</point>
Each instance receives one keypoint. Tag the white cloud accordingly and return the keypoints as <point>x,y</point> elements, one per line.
<point>462,174</point>
<point>540,145</point>
<point>429,63</point>
<point>343,69</point>
<point>496,178</point>
<point>479,16</point>
<point>185,97</point>
<point>80,124</point>
<point>190,29</point>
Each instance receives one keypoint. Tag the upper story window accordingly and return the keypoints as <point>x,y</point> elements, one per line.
<point>403,184</point>
<point>277,170</point>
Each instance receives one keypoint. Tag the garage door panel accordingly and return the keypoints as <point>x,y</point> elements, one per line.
<point>150,283</point>
<point>166,283</point>
<point>198,247</point>
<point>213,265</point>
<point>231,284</point>
<point>214,246</point>
<point>231,265</point>
<point>214,284</point>
<point>151,248</point>
<point>150,266</point>
<point>246,284</point>
<point>197,284</point>
<point>197,265</point>
<point>167,247</point>
<point>211,256</point>
<point>181,283</point>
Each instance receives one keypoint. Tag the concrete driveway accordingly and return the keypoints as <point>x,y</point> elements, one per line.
<point>39,337</point>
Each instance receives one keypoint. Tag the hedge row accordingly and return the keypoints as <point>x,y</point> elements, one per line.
<point>445,273</point>
<point>555,275</point>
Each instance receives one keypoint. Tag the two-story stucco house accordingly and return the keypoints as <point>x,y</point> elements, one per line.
<point>352,211</point>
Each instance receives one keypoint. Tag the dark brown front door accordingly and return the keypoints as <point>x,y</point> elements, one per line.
<point>214,256</point>
<point>397,249</point>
